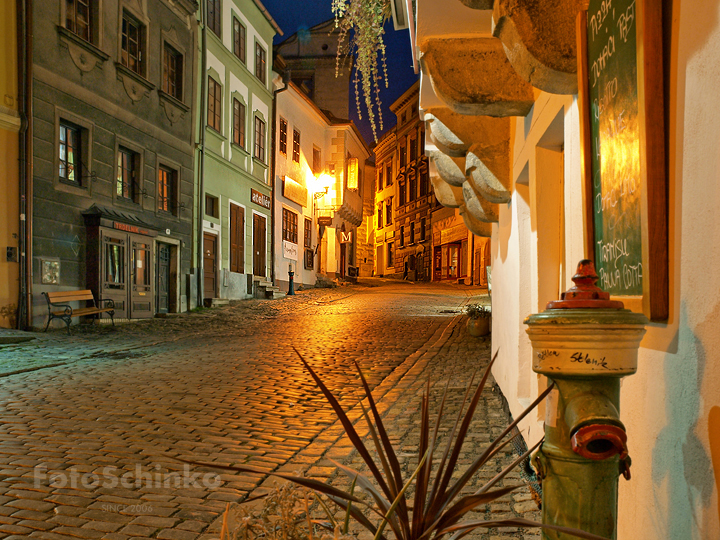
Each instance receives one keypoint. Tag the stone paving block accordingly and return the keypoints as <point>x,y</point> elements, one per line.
<point>137,530</point>
<point>176,534</point>
<point>29,504</point>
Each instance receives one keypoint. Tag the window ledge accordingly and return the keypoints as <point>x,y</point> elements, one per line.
<point>136,86</point>
<point>240,148</point>
<point>84,54</point>
<point>261,163</point>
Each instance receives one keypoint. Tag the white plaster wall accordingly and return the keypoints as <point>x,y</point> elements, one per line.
<point>671,407</point>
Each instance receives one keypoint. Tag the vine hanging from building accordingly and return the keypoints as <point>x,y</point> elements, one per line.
<point>362,21</point>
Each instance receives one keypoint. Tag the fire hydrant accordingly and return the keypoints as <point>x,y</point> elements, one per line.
<point>585,343</point>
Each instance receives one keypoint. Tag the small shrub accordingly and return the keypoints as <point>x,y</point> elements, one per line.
<point>478,311</point>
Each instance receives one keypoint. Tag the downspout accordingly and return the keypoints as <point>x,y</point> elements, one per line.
<point>201,149</point>
<point>286,79</point>
<point>25,88</point>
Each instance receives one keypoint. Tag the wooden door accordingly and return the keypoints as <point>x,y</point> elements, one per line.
<point>162,286</point>
<point>114,279</point>
<point>237,239</point>
<point>209,265</point>
<point>379,261</point>
<point>437,263</point>
<point>259,246</point>
<point>142,297</point>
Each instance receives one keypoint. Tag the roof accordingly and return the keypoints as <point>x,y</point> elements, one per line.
<point>265,12</point>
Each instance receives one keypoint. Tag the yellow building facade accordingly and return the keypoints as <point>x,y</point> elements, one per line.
<point>9,167</point>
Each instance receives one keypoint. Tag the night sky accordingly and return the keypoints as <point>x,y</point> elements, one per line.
<point>292,15</point>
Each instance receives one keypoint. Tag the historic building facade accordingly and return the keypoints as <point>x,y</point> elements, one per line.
<point>113,94</point>
<point>235,103</point>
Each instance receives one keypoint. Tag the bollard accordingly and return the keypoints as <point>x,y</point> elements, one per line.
<point>291,284</point>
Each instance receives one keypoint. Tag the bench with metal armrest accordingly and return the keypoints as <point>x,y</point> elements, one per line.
<point>62,300</point>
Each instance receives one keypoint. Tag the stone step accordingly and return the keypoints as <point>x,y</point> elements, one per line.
<point>216,302</point>
<point>274,295</point>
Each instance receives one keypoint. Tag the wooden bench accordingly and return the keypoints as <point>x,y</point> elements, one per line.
<point>62,299</point>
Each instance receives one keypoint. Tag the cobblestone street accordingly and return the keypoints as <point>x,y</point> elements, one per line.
<point>108,408</point>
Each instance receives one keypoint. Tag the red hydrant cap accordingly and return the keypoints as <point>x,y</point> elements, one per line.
<point>585,294</point>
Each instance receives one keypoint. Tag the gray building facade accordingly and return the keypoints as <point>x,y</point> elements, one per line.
<point>113,119</point>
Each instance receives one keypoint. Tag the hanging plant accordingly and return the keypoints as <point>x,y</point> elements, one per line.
<point>366,19</point>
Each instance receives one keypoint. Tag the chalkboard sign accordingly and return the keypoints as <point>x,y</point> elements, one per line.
<point>621,97</point>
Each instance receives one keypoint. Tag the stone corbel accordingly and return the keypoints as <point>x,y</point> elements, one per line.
<point>447,168</point>
<point>473,76</point>
<point>478,206</point>
<point>478,4</point>
<point>540,42</point>
<point>475,226</point>
<point>447,195</point>
<point>490,173</point>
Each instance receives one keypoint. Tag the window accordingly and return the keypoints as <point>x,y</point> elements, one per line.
<point>388,211</point>
<point>167,186</point>
<point>259,139</point>
<point>401,194</point>
<point>78,17</point>
<point>132,44</point>
<point>296,146</point>
<point>260,61</point>
<point>69,152</point>
<point>403,156</point>
<point>412,184</point>
<point>172,72</point>
<point>239,35</point>
<point>212,206</point>
<point>126,174</point>
<point>238,123</point>
<point>412,233</point>
<point>237,239</point>
<point>214,104</point>
<point>423,184</point>
<point>413,150</point>
<point>380,178</point>
<point>389,258</point>
<point>214,9</point>
<point>403,118</point>
<point>308,232</point>
<point>401,239</point>
<point>379,216</point>
<point>423,225</point>
<point>317,160</point>
<point>388,174</point>
<point>289,226</point>
<point>283,136</point>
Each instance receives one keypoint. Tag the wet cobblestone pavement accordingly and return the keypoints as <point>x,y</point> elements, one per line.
<point>91,422</point>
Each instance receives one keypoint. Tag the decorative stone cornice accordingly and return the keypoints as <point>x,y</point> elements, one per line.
<point>473,76</point>
<point>136,86</point>
<point>174,108</point>
<point>540,41</point>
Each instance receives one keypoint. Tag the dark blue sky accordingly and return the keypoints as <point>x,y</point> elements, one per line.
<point>294,14</point>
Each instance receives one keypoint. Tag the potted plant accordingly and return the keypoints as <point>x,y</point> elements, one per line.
<point>479,319</point>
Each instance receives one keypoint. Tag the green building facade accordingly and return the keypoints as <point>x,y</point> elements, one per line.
<point>235,101</point>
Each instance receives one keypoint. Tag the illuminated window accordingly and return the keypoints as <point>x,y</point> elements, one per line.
<point>214,104</point>
<point>172,72</point>
<point>388,211</point>
<point>127,170</point>
<point>167,185</point>
<point>308,232</point>
<point>239,38</point>
<point>296,146</point>
<point>282,145</point>
<point>78,18</point>
<point>214,9</point>
<point>259,139</point>
<point>238,123</point>
<point>69,154</point>
<point>289,226</point>
<point>132,44</point>
<point>380,216</point>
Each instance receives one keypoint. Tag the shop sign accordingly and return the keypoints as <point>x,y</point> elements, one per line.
<point>453,234</point>
<point>352,179</point>
<point>325,220</point>
<point>294,191</point>
<point>260,198</point>
<point>345,237</point>
<point>290,250</point>
<point>130,228</point>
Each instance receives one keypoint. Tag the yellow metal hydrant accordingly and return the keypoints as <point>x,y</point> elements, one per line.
<point>585,343</point>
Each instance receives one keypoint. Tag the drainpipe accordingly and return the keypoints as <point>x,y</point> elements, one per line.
<point>286,79</point>
<point>25,88</point>
<point>201,149</point>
